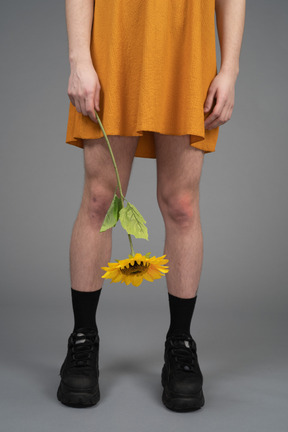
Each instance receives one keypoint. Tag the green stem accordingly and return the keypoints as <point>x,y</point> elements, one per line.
<point>117,175</point>
<point>131,245</point>
<point>113,159</point>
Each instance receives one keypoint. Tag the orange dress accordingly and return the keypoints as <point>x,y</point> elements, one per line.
<point>155,60</point>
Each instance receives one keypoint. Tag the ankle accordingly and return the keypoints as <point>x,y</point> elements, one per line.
<point>84,308</point>
<point>181,312</point>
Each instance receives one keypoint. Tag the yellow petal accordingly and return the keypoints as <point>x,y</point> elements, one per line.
<point>136,281</point>
<point>117,278</point>
<point>127,280</point>
<point>154,274</point>
<point>148,277</point>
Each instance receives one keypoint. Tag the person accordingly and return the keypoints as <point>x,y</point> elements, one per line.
<point>149,69</point>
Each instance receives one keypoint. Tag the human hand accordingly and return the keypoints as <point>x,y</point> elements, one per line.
<point>221,90</point>
<point>84,89</point>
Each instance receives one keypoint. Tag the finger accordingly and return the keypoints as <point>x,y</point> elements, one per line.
<point>209,99</point>
<point>230,113</point>
<point>223,118</point>
<point>72,100</point>
<point>97,98</point>
<point>212,118</point>
<point>214,125</point>
<point>83,106</point>
<point>224,115</point>
<point>78,106</point>
<point>215,114</point>
<point>90,109</point>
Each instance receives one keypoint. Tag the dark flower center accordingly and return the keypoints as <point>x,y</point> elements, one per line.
<point>135,268</point>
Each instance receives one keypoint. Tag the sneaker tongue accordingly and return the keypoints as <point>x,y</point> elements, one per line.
<point>82,340</point>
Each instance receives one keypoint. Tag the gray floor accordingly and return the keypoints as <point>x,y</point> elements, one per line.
<point>242,355</point>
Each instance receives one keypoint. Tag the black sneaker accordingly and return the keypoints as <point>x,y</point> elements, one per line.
<point>181,376</point>
<point>79,386</point>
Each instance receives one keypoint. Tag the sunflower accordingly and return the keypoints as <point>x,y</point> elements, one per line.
<point>136,268</point>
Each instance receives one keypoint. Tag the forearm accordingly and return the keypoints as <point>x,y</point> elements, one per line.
<point>230,18</point>
<point>79,18</point>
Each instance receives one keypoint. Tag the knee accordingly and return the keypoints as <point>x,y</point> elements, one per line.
<point>181,208</point>
<point>96,202</point>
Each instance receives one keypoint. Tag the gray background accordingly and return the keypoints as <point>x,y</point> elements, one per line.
<point>241,309</point>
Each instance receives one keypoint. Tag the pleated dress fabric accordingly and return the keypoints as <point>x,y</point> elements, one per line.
<point>155,60</point>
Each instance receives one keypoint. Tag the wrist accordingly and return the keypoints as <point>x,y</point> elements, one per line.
<point>233,71</point>
<point>76,59</point>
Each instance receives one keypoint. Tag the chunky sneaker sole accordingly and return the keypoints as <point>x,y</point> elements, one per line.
<point>176,401</point>
<point>78,399</point>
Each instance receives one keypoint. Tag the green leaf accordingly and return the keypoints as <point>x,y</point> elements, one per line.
<point>133,222</point>
<point>147,255</point>
<point>112,214</point>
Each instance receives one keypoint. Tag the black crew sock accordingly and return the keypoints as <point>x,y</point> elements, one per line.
<point>181,312</point>
<point>84,308</point>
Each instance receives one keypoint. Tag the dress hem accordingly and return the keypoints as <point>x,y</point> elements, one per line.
<point>195,141</point>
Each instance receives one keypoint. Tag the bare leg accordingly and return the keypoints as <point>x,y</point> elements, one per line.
<point>178,175</point>
<point>90,249</point>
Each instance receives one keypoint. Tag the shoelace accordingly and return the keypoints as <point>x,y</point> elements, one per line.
<point>82,347</point>
<point>182,350</point>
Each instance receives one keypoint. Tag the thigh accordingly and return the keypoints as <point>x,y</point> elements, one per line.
<point>179,165</point>
<point>98,165</point>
